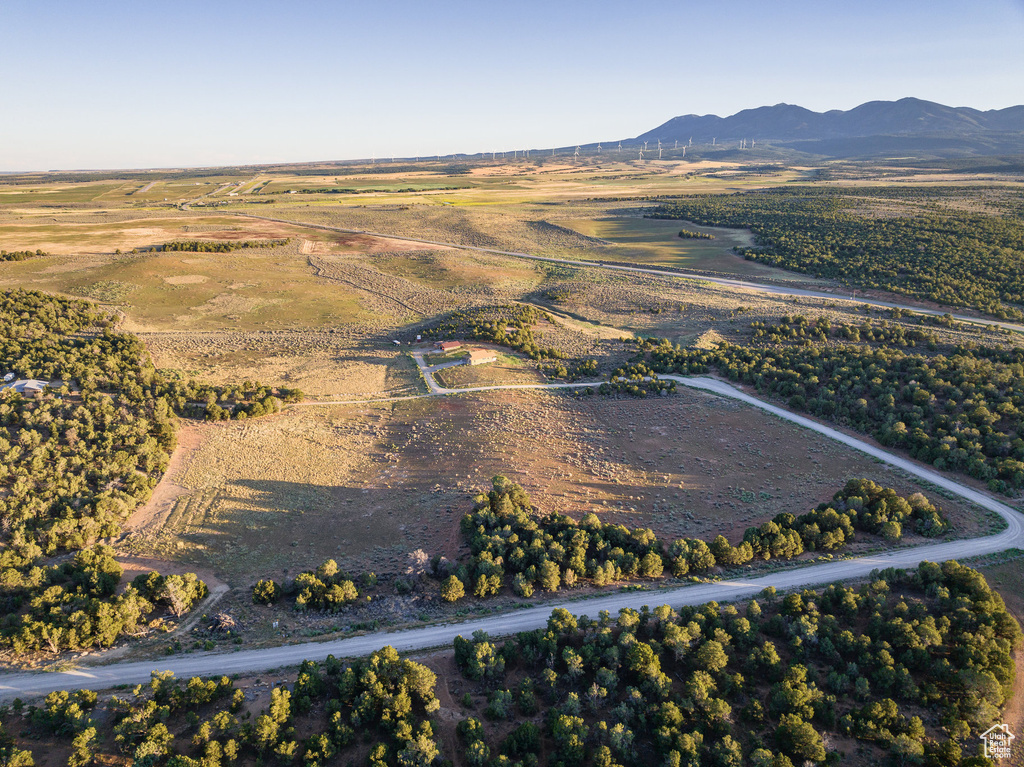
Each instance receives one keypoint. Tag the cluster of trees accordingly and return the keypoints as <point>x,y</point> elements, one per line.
<point>78,461</point>
<point>636,381</point>
<point>572,371</point>
<point>956,258</point>
<point>802,331</point>
<point>383,700</point>
<point>20,255</point>
<point>328,588</point>
<point>508,325</point>
<point>509,539</point>
<point>688,234</point>
<point>220,402</point>
<point>74,465</point>
<point>914,665</point>
<point>217,246</point>
<point>959,411</point>
<point>176,592</point>
<point>74,605</point>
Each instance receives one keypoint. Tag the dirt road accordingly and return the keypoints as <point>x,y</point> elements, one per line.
<point>742,284</point>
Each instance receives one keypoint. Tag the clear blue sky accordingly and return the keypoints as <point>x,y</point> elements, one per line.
<point>180,83</point>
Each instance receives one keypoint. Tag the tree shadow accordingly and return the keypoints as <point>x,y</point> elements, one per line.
<point>257,528</point>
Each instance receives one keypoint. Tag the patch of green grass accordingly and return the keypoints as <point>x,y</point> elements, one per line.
<point>105,291</point>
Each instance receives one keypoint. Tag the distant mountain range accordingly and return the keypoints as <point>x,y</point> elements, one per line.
<point>907,126</point>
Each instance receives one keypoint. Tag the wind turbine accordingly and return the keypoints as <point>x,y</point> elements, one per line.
<point>645,146</point>
<point>684,151</point>
<point>659,151</point>
<point>713,140</point>
<point>677,144</point>
<point>641,154</point>
<point>691,141</point>
<point>620,146</point>
<point>599,148</point>
<point>576,155</point>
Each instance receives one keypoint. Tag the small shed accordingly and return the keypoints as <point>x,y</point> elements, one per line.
<point>447,346</point>
<point>481,357</point>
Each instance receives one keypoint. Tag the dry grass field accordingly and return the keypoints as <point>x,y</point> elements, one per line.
<point>329,364</point>
<point>367,484</point>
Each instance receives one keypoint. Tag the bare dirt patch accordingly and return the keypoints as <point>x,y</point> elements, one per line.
<point>149,518</point>
<point>186,279</point>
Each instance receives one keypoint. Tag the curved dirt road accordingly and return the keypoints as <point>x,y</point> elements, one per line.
<point>725,281</point>
<point>247,661</point>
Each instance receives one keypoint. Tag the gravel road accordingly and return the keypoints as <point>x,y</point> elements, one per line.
<point>249,661</point>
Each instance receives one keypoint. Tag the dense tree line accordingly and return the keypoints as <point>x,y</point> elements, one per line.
<point>508,325</point>
<point>800,330</point>
<point>21,255</point>
<point>955,258</point>
<point>383,700</point>
<point>75,605</point>
<point>913,665</point>
<point>513,544</point>
<point>958,411</point>
<point>219,402</point>
<point>689,234</point>
<point>218,246</point>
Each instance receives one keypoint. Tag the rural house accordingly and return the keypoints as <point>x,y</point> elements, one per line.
<point>447,346</point>
<point>481,357</point>
<point>30,387</point>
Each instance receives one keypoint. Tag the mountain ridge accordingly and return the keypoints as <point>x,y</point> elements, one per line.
<point>939,126</point>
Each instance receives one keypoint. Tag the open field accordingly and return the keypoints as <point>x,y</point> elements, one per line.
<point>102,233</point>
<point>332,364</point>
<point>368,484</point>
<point>649,241</point>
